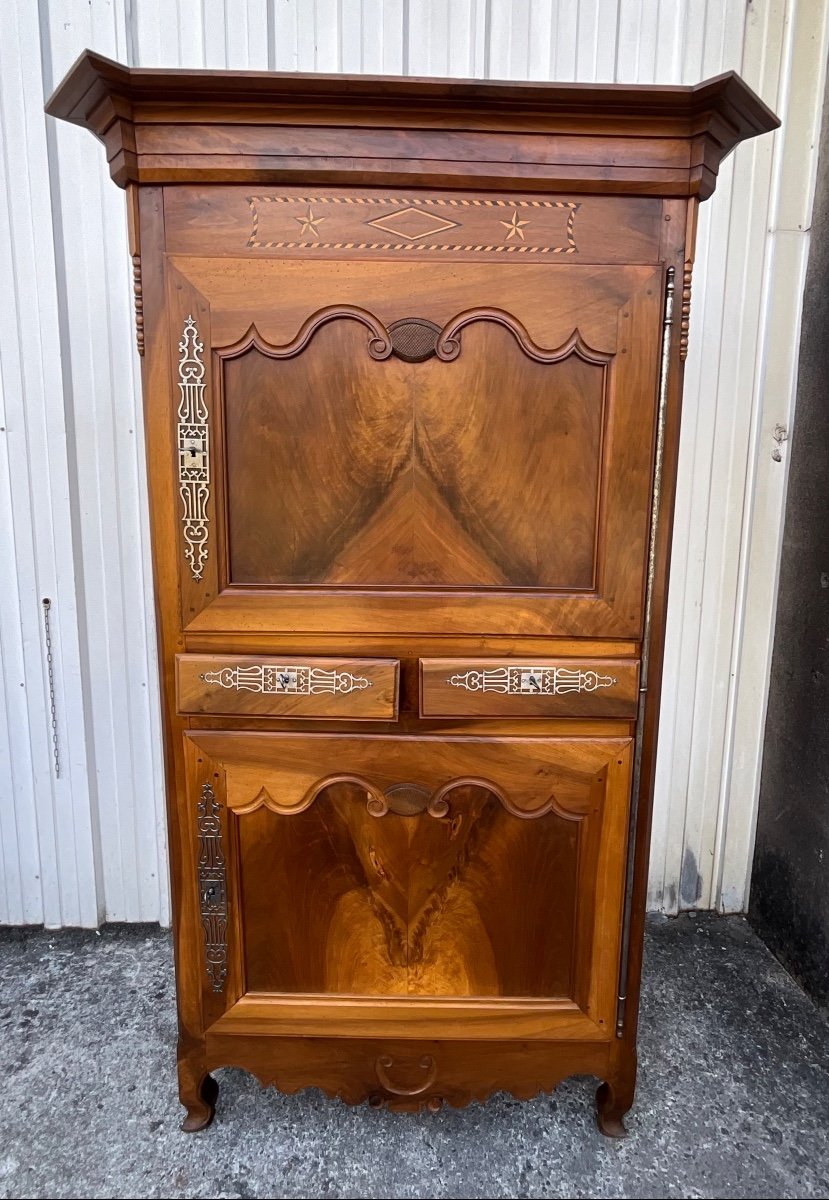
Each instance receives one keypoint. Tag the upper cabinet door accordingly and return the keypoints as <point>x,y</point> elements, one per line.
<point>439,436</point>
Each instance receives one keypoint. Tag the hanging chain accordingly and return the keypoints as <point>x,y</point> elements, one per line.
<point>47,604</point>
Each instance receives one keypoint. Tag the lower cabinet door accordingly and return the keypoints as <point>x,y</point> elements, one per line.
<point>408,886</point>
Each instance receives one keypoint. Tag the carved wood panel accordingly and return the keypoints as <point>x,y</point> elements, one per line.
<point>337,465</point>
<point>347,470</point>
<point>424,866</point>
<point>409,904</point>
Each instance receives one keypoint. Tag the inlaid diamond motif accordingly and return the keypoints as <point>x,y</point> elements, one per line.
<point>413,224</point>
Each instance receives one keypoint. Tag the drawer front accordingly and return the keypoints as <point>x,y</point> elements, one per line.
<point>352,689</point>
<point>538,687</point>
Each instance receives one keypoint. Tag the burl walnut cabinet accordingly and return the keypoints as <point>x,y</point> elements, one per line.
<point>412,364</point>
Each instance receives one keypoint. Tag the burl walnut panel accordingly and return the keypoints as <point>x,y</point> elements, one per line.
<point>415,865</point>
<point>491,476</point>
<point>412,366</point>
<point>428,474</point>
<point>409,903</point>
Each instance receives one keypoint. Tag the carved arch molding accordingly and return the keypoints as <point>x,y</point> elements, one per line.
<point>527,777</point>
<point>414,339</point>
<point>412,799</point>
<point>410,339</point>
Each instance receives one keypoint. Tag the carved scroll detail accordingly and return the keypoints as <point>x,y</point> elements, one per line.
<point>379,345</point>
<point>430,340</point>
<point>409,800</point>
<point>404,800</point>
<point>193,449</point>
<point>531,681</point>
<point>449,342</point>
<point>212,887</point>
<point>379,803</point>
<point>286,681</point>
<point>685,319</point>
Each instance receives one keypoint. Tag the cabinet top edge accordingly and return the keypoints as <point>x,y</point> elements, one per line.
<point>111,100</point>
<point>286,88</point>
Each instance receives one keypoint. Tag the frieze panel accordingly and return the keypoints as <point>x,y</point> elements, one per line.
<point>413,223</point>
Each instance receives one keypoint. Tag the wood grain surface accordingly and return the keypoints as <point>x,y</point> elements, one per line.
<point>429,487</point>
<point>424,865</point>
<point>528,687</point>
<point>352,689</point>
<point>402,343</point>
<point>427,474</point>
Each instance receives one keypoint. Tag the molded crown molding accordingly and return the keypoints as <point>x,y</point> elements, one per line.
<point>173,126</point>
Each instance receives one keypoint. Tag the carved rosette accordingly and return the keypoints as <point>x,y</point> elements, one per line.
<point>286,681</point>
<point>212,887</point>
<point>407,800</point>
<point>531,681</point>
<point>193,449</point>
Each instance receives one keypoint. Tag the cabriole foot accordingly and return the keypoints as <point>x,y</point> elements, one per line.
<point>200,1102</point>
<point>610,1110</point>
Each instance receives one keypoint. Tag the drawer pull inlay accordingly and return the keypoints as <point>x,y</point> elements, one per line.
<point>286,681</point>
<point>531,681</point>
<point>193,448</point>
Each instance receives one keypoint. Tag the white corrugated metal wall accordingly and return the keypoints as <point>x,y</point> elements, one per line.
<point>88,845</point>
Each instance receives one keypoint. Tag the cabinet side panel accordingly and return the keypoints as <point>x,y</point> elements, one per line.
<point>157,386</point>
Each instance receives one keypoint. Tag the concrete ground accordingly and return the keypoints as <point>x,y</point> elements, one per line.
<point>733,1092</point>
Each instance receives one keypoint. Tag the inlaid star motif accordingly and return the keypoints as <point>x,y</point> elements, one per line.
<point>309,223</point>
<point>515,227</point>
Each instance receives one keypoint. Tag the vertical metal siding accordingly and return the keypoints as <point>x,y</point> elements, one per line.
<point>91,845</point>
<point>48,825</point>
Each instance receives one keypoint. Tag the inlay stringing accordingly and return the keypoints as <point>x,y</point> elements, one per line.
<point>531,681</point>
<point>416,223</point>
<point>288,681</point>
<point>193,448</point>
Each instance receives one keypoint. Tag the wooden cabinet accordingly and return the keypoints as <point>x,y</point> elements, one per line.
<point>412,360</point>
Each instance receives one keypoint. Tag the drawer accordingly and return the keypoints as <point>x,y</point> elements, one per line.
<point>537,687</point>
<point>351,689</point>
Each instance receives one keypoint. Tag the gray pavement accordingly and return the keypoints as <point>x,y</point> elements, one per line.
<point>733,1092</point>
